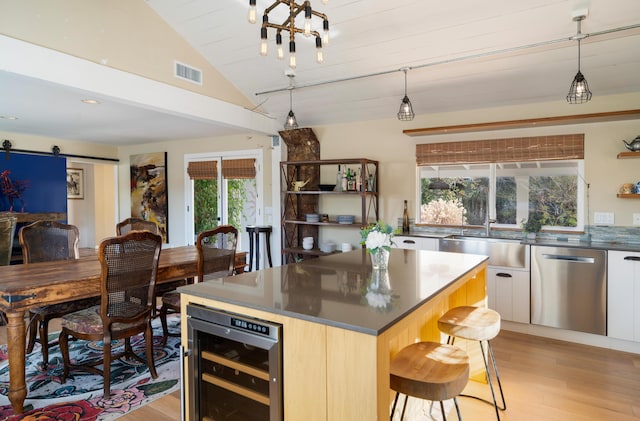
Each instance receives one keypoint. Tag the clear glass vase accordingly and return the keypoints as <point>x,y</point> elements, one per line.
<point>379,259</point>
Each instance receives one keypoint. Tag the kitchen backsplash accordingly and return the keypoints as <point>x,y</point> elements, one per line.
<point>607,234</point>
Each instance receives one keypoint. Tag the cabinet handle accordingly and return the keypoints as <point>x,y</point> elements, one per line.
<point>634,258</point>
<point>504,275</point>
<point>408,241</point>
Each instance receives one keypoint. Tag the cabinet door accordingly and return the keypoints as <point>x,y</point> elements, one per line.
<point>508,294</point>
<point>623,295</point>
<point>415,243</point>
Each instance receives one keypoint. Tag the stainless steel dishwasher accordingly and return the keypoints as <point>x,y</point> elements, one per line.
<point>569,288</point>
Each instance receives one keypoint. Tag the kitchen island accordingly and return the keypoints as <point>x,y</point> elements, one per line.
<point>342,322</point>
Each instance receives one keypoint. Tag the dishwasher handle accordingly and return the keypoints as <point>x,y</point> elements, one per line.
<point>504,275</point>
<point>633,258</point>
<point>578,259</point>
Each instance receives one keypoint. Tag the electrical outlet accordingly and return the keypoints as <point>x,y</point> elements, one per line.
<point>636,219</point>
<point>603,218</point>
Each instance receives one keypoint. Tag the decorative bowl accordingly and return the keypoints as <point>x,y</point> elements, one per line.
<point>327,187</point>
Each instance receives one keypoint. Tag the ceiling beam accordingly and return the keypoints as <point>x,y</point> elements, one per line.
<point>526,123</point>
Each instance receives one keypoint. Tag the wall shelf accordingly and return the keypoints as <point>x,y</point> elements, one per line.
<point>296,204</point>
<point>624,155</point>
<point>628,196</point>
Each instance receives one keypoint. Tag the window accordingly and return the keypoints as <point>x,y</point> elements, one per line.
<point>468,194</point>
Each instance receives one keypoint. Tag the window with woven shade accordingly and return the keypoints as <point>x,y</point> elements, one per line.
<point>465,184</point>
<point>231,168</point>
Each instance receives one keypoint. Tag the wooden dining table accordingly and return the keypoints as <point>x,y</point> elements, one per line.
<point>23,287</point>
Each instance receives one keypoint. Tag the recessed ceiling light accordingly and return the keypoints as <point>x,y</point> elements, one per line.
<point>90,101</point>
<point>8,117</point>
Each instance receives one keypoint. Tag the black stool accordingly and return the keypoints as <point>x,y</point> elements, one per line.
<point>254,233</point>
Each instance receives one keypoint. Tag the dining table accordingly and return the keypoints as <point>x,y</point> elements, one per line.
<point>23,287</point>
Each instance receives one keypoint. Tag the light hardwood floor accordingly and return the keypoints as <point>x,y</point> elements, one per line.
<point>543,379</point>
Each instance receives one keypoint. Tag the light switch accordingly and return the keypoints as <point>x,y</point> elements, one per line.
<point>636,219</point>
<point>603,218</point>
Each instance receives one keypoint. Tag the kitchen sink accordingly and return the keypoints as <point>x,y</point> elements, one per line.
<point>502,252</point>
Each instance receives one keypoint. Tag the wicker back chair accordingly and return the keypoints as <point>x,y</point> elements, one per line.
<point>46,241</point>
<point>216,257</point>
<point>136,224</point>
<point>129,266</point>
<point>7,232</point>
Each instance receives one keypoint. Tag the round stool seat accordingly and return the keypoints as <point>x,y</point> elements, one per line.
<point>473,323</point>
<point>429,370</point>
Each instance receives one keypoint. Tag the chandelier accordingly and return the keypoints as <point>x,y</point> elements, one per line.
<point>289,26</point>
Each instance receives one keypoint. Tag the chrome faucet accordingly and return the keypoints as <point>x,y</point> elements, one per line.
<point>487,226</point>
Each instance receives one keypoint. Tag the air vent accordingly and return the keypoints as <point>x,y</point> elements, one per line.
<point>188,73</point>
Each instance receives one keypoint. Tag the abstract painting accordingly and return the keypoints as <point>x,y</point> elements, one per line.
<point>149,200</point>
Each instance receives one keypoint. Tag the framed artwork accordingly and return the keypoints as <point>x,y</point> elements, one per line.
<point>149,199</point>
<point>75,183</point>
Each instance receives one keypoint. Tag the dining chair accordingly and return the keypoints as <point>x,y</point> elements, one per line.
<point>7,232</point>
<point>46,241</point>
<point>137,224</point>
<point>129,265</point>
<point>216,259</point>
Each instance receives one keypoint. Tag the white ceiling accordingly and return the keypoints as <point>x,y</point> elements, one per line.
<point>461,55</point>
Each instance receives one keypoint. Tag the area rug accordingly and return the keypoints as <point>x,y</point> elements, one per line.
<point>80,397</point>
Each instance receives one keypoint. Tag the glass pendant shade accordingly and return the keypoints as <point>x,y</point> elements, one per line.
<point>406,110</point>
<point>291,122</point>
<point>579,91</point>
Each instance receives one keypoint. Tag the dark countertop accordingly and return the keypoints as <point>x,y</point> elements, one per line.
<point>335,290</point>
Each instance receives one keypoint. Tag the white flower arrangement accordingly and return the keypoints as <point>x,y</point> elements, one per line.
<point>376,237</point>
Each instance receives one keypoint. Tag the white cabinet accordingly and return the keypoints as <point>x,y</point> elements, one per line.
<point>415,243</point>
<point>623,295</point>
<point>508,293</point>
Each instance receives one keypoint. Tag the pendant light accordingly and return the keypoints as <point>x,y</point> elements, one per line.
<point>579,91</point>
<point>406,110</point>
<point>291,122</point>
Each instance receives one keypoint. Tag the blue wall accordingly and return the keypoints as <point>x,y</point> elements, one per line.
<point>47,182</point>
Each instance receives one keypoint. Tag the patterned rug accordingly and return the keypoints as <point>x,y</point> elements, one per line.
<point>80,398</point>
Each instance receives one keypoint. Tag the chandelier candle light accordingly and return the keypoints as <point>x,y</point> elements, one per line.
<point>289,26</point>
<point>378,239</point>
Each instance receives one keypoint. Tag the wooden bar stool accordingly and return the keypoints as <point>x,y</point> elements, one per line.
<point>431,371</point>
<point>475,324</point>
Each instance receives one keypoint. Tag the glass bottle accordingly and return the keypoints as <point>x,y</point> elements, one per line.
<point>405,218</point>
<point>344,180</point>
<point>339,180</point>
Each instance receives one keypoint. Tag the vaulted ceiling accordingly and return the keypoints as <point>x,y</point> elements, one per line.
<point>461,55</point>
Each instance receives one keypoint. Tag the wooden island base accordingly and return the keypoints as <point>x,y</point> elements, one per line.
<point>331,373</point>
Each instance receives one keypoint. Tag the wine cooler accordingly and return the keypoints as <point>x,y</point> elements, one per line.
<point>235,366</point>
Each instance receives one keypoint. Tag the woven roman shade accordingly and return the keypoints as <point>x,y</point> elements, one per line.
<point>203,170</point>
<point>239,168</point>
<point>231,168</point>
<point>517,149</point>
